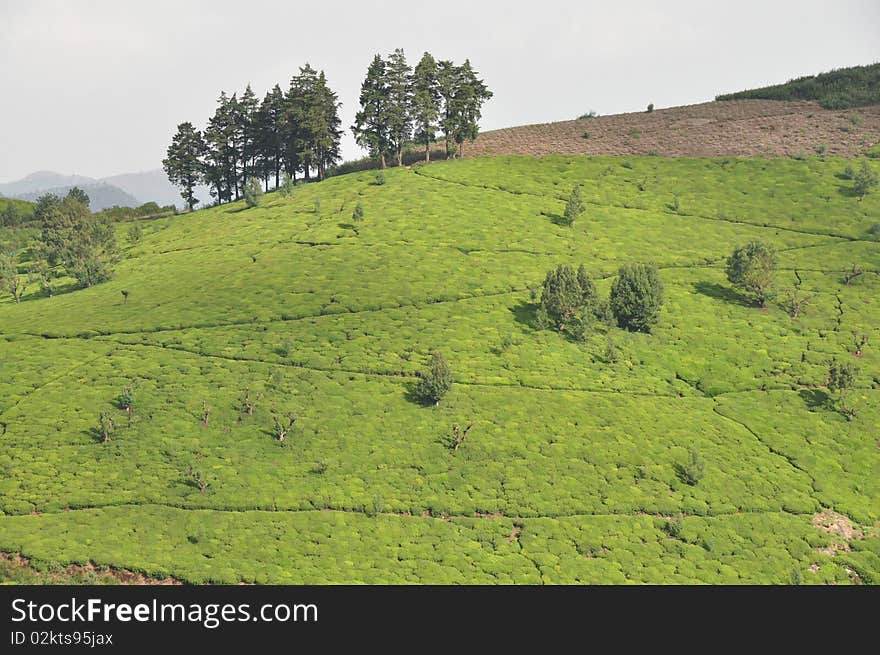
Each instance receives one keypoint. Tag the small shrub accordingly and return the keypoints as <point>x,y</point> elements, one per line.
<point>855,120</point>
<point>380,179</point>
<point>435,381</point>
<point>358,214</point>
<point>864,180</point>
<point>693,470</point>
<point>135,233</point>
<point>574,207</point>
<point>841,380</point>
<point>821,149</point>
<point>282,427</point>
<point>586,135</point>
<point>287,185</point>
<point>848,173</point>
<point>253,193</point>
<point>590,114</point>
<point>612,352</point>
<point>874,230</point>
<point>125,399</point>
<point>650,107</point>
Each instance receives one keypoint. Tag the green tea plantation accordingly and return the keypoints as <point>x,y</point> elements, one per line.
<point>140,417</point>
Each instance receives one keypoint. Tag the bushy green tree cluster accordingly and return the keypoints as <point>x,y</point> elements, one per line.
<point>292,132</point>
<point>753,268</point>
<point>401,105</point>
<point>637,297</point>
<point>570,303</point>
<point>73,237</point>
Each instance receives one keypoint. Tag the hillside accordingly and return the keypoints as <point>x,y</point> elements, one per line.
<point>844,88</point>
<point>127,190</point>
<point>734,128</point>
<point>101,196</point>
<point>572,469</point>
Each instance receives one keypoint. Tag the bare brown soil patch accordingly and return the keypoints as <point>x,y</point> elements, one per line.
<point>734,128</point>
<point>836,524</point>
<point>105,574</point>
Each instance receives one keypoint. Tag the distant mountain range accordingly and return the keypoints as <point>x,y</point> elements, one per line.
<point>127,190</point>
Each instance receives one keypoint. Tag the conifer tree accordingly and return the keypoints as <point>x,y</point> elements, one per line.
<point>183,163</point>
<point>248,134</point>
<point>398,114</point>
<point>426,102</point>
<point>470,96</point>
<point>370,128</point>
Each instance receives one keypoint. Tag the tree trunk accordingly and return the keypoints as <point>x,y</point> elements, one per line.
<point>427,152</point>
<point>382,160</point>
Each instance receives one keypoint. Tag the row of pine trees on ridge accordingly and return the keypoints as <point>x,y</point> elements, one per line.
<point>298,131</point>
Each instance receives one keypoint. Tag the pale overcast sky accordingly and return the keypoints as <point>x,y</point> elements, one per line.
<point>97,88</point>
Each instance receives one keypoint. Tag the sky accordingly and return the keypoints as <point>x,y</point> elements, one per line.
<point>98,87</point>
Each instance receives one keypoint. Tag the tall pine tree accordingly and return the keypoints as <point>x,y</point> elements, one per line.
<point>398,111</point>
<point>370,128</point>
<point>426,102</point>
<point>183,163</point>
<point>248,134</point>
<point>447,87</point>
<point>269,137</point>
<point>470,96</point>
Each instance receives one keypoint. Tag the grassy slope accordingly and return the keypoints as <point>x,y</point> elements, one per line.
<point>569,470</point>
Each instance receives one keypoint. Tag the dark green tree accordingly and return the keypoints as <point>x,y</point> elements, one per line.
<point>370,128</point>
<point>246,111</point>
<point>470,96</point>
<point>753,268</point>
<point>77,194</point>
<point>398,111</point>
<point>10,217</point>
<point>222,170</point>
<point>270,135</point>
<point>448,75</point>
<point>426,103</point>
<point>562,296</point>
<point>183,163</point>
<point>435,381</point>
<point>636,297</point>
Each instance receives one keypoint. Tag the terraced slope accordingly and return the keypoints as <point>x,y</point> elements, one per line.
<point>569,473</point>
<point>733,128</point>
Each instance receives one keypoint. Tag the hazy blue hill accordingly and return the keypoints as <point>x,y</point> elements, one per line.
<point>101,196</point>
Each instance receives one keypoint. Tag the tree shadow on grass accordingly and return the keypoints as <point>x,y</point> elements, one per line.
<point>720,292</point>
<point>815,399</point>
<point>94,434</point>
<point>556,219</point>
<point>524,313</point>
<point>847,191</point>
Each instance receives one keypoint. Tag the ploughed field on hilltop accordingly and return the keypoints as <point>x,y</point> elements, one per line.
<point>571,471</point>
<point>730,128</point>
